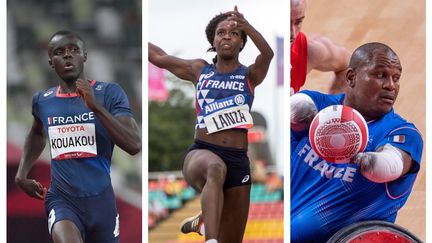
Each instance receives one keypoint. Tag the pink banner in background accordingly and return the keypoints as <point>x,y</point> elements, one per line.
<point>156,84</point>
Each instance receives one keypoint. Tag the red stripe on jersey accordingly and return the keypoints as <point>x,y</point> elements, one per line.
<point>70,95</point>
<point>75,155</point>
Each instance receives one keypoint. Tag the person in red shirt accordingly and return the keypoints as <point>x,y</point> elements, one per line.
<point>314,52</point>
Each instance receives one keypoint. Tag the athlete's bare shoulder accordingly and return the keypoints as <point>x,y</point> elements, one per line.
<point>325,55</point>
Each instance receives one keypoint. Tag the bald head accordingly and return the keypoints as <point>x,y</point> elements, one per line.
<point>297,3</point>
<point>298,8</point>
<point>365,54</point>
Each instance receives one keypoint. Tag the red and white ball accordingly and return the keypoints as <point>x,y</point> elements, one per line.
<point>337,133</point>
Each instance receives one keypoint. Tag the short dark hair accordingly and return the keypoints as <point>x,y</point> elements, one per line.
<point>365,53</point>
<point>211,30</point>
<point>65,32</point>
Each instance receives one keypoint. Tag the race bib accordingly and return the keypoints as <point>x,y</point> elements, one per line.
<point>72,141</point>
<point>231,112</point>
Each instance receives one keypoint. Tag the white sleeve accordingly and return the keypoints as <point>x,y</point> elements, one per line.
<point>380,167</point>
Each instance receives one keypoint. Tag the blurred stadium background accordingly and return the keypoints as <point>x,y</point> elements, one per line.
<point>112,32</point>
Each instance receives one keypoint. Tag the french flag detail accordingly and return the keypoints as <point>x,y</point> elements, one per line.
<point>399,139</point>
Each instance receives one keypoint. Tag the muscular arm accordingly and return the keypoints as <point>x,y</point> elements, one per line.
<point>326,56</point>
<point>123,129</point>
<point>257,71</point>
<point>184,69</point>
<point>34,144</point>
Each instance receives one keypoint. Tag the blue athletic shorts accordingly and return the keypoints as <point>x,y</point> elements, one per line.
<point>96,217</point>
<point>236,161</point>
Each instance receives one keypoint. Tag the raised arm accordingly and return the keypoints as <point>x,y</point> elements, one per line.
<point>326,56</point>
<point>183,69</point>
<point>33,147</point>
<point>257,71</point>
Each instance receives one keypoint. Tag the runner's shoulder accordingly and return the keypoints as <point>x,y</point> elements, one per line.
<point>44,94</point>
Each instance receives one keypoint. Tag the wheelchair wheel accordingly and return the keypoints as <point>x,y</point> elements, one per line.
<point>373,232</point>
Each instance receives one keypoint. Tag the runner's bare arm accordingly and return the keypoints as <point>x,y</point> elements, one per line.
<point>123,129</point>
<point>34,144</point>
<point>182,68</point>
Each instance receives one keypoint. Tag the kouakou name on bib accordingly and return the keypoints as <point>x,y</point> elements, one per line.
<point>227,113</point>
<point>72,141</point>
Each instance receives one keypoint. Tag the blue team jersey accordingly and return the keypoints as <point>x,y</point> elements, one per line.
<point>223,100</point>
<point>80,146</point>
<point>326,197</point>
